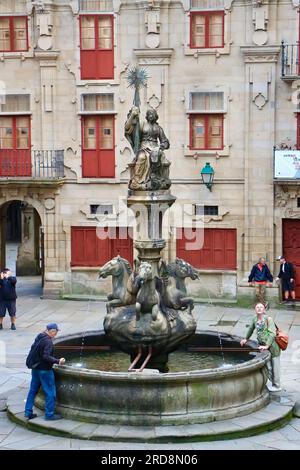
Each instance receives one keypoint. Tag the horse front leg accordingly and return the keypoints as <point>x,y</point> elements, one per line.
<point>112,304</point>
<point>186,302</point>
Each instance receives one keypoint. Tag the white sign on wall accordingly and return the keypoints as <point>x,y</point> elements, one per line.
<point>287,164</point>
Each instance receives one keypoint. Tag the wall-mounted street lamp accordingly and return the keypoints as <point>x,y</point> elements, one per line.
<point>207,174</point>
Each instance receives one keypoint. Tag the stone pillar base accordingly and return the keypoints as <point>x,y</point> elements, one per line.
<point>53,286</point>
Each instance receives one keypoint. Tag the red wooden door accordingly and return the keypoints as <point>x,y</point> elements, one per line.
<point>15,159</point>
<point>96,47</point>
<point>291,247</point>
<point>98,149</point>
<point>88,249</point>
<point>218,250</point>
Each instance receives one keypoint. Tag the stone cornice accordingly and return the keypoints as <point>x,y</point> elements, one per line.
<point>154,56</point>
<point>46,55</point>
<point>253,54</point>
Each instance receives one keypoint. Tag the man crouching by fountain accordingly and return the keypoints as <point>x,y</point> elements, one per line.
<point>41,360</point>
<point>266,334</point>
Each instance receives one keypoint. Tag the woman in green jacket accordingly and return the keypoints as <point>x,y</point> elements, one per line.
<point>266,334</point>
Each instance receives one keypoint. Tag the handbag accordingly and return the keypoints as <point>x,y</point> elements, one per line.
<point>281,338</point>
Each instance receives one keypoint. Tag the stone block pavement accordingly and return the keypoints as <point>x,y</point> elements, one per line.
<point>73,316</point>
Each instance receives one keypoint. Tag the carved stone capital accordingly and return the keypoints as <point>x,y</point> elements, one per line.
<point>264,54</point>
<point>153,56</point>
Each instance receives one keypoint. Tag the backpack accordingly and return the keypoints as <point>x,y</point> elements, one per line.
<point>33,358</point>
<point>281,338</point>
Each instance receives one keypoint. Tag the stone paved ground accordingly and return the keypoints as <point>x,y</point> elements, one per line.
<point>74,316</point>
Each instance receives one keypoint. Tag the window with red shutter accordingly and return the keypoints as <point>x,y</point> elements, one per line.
<point>206,132</point>
<point>87,249</point>
<point>218,250</point>
<point>96,46</point>
<point>13,33</point>
<point>98,150</point>
<point>206,29</point>
<point>15,146</point>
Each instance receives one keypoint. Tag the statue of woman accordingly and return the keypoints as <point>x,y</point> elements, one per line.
<point>150,168</point>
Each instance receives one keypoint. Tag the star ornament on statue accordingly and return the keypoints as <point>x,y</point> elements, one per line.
<point>136,78</point>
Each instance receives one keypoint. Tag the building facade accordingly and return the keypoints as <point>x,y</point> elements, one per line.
<point>224,78</point>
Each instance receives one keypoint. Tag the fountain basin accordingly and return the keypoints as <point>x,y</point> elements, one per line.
<point>147,399</point>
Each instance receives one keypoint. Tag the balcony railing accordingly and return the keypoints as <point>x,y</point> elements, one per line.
<point>290,69</point>
<point>37,164</point>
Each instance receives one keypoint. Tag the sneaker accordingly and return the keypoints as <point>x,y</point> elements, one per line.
<point>31,416</point>
<point>54,417</point>
<point>272,388</point>
<point>13,326</point>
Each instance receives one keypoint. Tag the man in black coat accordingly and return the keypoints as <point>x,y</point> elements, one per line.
<point>41,360</point>
<point>8,297</point>
<point>287,276</point>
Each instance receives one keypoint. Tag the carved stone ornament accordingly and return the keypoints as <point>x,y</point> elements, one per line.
<point>49,204</point>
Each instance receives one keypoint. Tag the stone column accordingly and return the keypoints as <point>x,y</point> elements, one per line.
<point>54,275</point>
<point>260,76</point>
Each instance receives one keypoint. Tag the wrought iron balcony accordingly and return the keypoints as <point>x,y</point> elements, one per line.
<point>290,68</point>
<point>35,164</point>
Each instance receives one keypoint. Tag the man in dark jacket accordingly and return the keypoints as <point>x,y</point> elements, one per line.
<point>287,276</point>
<point>42,373</point>
<point>8,297</point>
<point>259,277</point>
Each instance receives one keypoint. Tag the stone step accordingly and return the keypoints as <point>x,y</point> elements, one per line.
<point>275,415</point>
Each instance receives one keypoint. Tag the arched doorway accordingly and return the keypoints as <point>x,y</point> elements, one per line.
<point>20,238</point>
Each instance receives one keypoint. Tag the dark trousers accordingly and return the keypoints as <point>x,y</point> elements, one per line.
<point>44,378</point>
<point>10,306</point>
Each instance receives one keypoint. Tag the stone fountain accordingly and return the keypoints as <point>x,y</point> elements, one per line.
<point>150,315</point>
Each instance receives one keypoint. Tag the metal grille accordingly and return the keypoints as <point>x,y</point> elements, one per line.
<point>48,163</point>
<point>207,101</point>
<point>15,103</point>
<point>207,4</point>
<point>96,5</point>
<point>98,102</point>
<point>289,60</point>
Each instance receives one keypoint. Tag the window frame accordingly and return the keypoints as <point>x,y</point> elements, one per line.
<point>206,14</point>
<point>11,19</point>
<point>14,131</point>
<point>206,117</point>
<point>96,29</point>
<point>99,150</point>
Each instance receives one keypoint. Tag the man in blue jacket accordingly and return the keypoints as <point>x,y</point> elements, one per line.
<point>8,297</point>
<point>42,375</point>
<point>259,277</point>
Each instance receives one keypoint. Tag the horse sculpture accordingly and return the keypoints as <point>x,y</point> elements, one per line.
<point>123,282</point>
<point>174,291</point>
<point>148,298</point>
